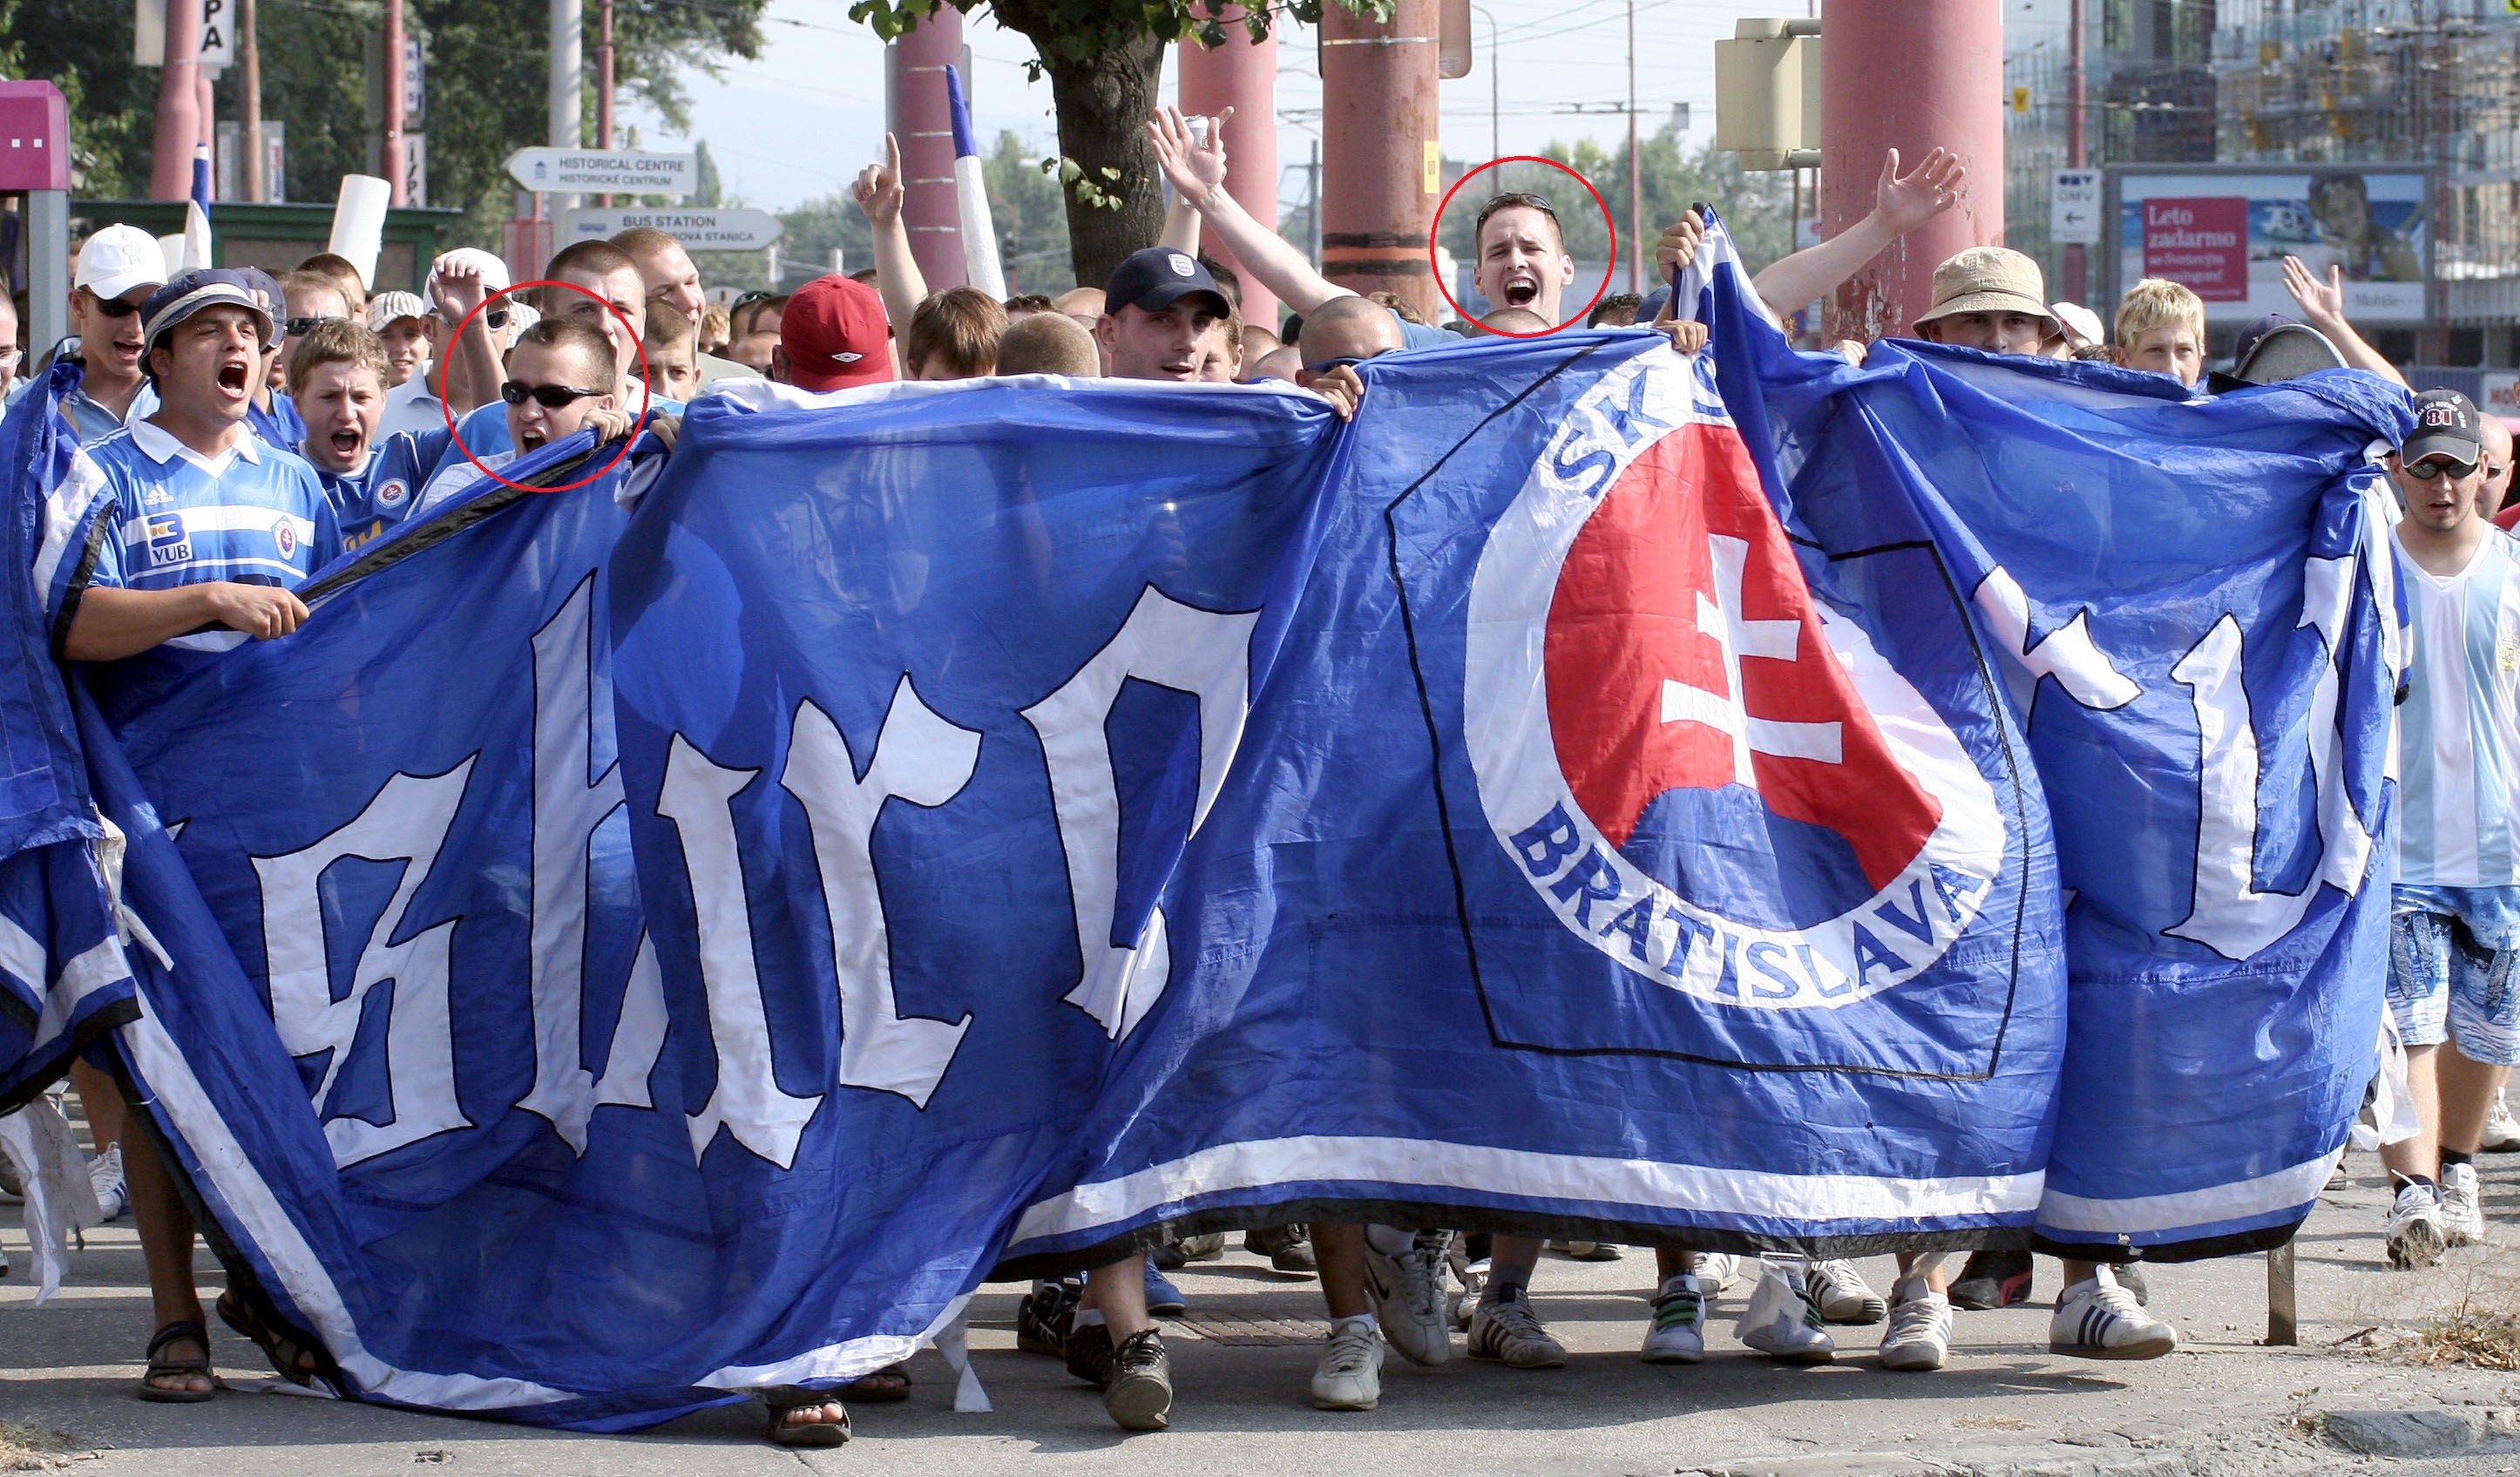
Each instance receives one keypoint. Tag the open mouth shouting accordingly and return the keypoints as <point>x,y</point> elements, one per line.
<point>235,375</point>
<point>1521,287</point>
<point>347,444</point>
<point>530,439</point>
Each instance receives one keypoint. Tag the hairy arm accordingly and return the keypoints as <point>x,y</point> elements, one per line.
<point>1901,204</point>
<point>1197,174</point>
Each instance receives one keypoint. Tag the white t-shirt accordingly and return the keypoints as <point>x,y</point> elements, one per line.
<point>2457,738</point>
<point>409,406</point>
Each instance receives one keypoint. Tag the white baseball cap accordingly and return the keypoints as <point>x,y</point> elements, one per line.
<point>118,258</point>
<point>494,272</point>
<point>387,307</point>
<point>2082,325</point>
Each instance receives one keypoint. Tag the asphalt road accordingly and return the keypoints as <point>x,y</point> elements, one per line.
<point>2224,1405</point>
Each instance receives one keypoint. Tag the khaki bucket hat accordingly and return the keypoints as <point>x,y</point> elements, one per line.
<point>1990,279</point>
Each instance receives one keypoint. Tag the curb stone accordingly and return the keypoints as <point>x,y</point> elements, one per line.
<point>2057,1460</point>
<point>2421,1433</point>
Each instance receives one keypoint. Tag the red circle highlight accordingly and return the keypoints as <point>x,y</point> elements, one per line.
<point>646,396</point>
<point>1436,269</point>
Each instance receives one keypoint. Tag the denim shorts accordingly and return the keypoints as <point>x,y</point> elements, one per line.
<point>2444,985</point>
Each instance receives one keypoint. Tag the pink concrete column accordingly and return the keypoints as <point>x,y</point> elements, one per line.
<point>923,121</point>
<point>1241,74</point>
<point>1909,74</point>
<point>179,104</point>
<point>1381,159</point>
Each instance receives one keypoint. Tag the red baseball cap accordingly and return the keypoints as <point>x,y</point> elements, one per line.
<point>835,335</point>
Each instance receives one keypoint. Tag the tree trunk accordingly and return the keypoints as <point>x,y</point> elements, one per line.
<point>1104,102</point>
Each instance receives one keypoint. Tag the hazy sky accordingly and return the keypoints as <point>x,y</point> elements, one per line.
<point>799,121</point>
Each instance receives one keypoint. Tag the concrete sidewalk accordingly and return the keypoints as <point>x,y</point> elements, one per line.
<point>2006,1408</point>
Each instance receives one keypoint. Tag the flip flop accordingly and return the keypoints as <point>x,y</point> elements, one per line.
<point>278,1344</point>
<point>782,1399</point>
<point>860,1390</point>
<point>159,1369</point>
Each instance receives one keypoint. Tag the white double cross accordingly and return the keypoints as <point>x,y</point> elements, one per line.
<point>1739,637</point>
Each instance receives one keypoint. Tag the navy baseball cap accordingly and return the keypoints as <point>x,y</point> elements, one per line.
<point>2445,426</point>
<point>1157,278</point>
<point>208,288</point>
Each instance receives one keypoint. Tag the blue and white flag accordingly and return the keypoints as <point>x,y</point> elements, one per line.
<point>2194,608</point>
<point>981,268</point>
<point>946,832</point>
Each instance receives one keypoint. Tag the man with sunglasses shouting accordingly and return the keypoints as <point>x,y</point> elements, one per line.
<point>2455,913</point>
<point>118,267</point>
<point>560,381</point>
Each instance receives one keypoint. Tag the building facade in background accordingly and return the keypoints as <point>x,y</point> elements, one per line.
<point>2319,85</point>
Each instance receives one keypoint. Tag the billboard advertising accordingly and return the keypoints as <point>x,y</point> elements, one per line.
<point>2226,229</point>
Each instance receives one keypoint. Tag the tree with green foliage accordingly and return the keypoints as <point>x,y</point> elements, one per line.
<point>1104,59</point>
<point>487,73</point>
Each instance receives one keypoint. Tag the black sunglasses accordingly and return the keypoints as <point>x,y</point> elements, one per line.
<point>294,327</point>
<point>111,307</point>
<point>496,318</point>
<point>1324,366</point>
<point>548,396</point>
<point>2438,467</point>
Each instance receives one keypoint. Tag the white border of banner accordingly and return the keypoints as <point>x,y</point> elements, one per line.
<point>2141,1215</point>
<point>1436,1166</point>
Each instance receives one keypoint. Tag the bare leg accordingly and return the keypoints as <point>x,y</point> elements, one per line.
<point>1672,1261</point>
<point>1510,1260</point>
<point>1338,1249</point>
<point>2465,1090</point>
<point>1936,1266</point>
<point>1119,1292</point>
<point>103,1101</point>
<point>166,1230</point>
<point>2422,1155</point>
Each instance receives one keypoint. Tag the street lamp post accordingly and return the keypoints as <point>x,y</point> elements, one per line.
<point>1496,145</point>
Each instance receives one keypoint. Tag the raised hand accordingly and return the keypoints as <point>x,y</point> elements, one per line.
<point>1906,202</point>
<point>1679,244</point>
<point>879,188</point>
<point>458,287</point>
<point>1197,169</point>
<point>2321,301</point>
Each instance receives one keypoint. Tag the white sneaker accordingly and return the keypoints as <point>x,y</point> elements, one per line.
<point>1781,1320</point>
<point>105,1176</point>
<point>1717,1270</point>
<point>2502,1132</point>
<point>1919,1336</point>
<point>2417,1236</point>
<point>2100,1320</point>
<point>1842,1294</point>
<point>1505,1329</point>
<point>1408,1292</point>
<point>2462,1221</point>
<point>1677,1332</point>
<point>1349,1376</point>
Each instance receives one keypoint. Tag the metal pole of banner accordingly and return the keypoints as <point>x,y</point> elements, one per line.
<point>250,102</point>
<point>2283,1327</point>
<point>2077,266</point>
<point>567,81</point>
<point>1636,170</point>
<point>397,165</point>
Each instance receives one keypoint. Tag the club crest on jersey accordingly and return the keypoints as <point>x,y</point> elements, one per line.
<point>392,493</point>
<point>1705,772</point>
<point>286,536</point>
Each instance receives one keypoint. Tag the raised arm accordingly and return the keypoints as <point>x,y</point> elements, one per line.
<point>468,375</point>
<point>1197,174</point>
<point>1181,227</point>
<point>2322,303</point>
<point>1901,204</point>
<point>896,271</point>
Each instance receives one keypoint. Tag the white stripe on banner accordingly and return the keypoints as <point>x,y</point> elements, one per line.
<point>981,266</point>
<point>301,1273</point>
<point>1434,1166</point>
<point>2143,1215</point>
<point>63,511</point>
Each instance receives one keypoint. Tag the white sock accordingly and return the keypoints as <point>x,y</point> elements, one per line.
<point>1359,1320</point>
<point>1390,1240</point>
<point>1088,1318</point>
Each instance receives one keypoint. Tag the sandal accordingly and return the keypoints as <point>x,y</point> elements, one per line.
<point>279,1345</point>
<point>160,1369</point>
<point>882,1394</point>
<point>784,1399</point>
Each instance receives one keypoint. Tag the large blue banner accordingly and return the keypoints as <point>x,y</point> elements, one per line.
<point>625,956</point>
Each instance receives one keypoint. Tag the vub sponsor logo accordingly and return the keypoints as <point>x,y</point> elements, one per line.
<point>1702,772</point>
